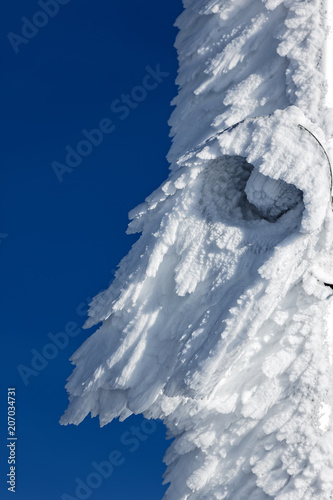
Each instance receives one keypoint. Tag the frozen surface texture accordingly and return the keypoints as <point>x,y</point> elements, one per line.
<point>219,321</point>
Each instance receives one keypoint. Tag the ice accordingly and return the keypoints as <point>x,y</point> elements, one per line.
<point>219,321</point>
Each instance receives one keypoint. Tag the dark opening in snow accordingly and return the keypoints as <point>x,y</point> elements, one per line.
<point>239,192</point>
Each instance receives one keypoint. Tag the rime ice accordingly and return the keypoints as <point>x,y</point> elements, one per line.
<point>219,321</point>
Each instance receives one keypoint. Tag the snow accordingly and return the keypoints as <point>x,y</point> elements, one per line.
<point>328,55</point>
<point>218,320</point>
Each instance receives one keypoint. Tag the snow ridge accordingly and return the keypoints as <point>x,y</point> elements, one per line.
<point>218,320</point>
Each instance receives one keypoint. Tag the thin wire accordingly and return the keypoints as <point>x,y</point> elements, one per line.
<point>212,137</point>
<point>326,154</point>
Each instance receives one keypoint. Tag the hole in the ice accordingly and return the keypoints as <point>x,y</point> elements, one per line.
<point>234,190</point>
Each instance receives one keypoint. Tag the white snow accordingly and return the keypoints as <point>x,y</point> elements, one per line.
<point>328,53</point>
<point>218,318</point>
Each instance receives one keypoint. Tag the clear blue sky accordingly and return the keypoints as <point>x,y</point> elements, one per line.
<point>61,241</point>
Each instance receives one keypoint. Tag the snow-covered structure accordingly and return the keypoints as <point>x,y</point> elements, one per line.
<point>219,321</point>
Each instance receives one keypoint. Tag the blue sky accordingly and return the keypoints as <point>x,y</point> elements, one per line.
<point>60,242</point>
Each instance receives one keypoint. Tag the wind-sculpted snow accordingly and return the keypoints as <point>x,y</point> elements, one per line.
<point>241,58</point>
<point>218,320</point>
